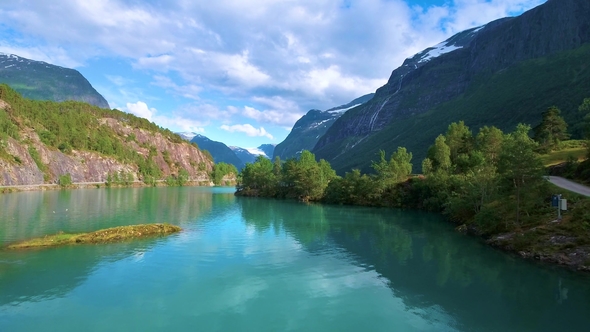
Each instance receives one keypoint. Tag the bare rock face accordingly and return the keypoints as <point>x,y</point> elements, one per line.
<point>85,166</point>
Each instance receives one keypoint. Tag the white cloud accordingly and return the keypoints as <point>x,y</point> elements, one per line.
<point>141,109</point>
<point>190,91</point>
<point>247,129</point>
<point>280,57</point>
<point>279,118</point>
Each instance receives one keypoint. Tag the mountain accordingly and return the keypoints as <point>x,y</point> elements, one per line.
<point>307,131</point>
<point>188,136</point>
<point>219,151</point>
<point>42,81</point>
<point>41,141</point>
<point>505,72</point>
<point>250,155</point>
<point>268,149</point>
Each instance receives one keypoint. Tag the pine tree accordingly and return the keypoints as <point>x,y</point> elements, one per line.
<point>551,130</point>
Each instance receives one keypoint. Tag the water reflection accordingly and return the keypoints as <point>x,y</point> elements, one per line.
<point>427,264</point>
<point>59,270</point>
<point>31,214</point>
<point>255,264</point>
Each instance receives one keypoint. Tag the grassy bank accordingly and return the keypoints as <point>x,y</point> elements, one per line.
<point>108,235</point>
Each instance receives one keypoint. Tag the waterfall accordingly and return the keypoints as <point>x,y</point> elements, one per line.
<point>374,117</point>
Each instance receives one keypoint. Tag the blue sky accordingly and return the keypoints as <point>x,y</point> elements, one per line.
<point>237,71</point>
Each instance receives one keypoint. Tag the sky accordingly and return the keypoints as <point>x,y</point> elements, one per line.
<point>237,71</point>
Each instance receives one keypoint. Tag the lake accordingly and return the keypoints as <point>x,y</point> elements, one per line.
<point>247,264</point>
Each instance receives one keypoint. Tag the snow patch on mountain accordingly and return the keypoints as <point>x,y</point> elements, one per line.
<point>342,110</point>
<point>437,51</point>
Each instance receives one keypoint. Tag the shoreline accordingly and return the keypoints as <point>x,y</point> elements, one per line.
<point>93,185</point>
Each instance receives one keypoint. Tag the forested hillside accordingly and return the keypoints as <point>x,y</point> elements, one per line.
<point>43,140</point>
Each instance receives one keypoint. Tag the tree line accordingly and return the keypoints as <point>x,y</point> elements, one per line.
<point>492,179</point>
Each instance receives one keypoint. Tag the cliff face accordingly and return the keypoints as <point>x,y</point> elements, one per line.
<point>495,59</point>
<point>85,166</point>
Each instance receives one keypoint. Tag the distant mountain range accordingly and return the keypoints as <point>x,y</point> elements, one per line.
<point>503,73</point>
<point>43,81</point>
<point>234,155</point>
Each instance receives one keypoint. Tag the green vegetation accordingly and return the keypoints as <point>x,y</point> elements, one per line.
<point>490,183</point>
<point>119,179</point>
<point>109,235</point>
<point>70,125</point>
<point>65,180</point>
<point>561,156</point>
<point>221,170</point>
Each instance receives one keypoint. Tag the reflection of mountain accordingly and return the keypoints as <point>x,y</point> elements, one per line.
<point>428,265</point>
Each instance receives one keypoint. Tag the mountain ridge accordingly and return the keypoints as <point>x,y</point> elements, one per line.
<point>407,110</point>
<point>40,80</point>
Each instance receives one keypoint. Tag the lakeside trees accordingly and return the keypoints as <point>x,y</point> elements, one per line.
<point>486,178</point>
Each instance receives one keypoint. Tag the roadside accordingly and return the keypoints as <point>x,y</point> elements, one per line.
<point>569,185</point>
<point>563,241</point>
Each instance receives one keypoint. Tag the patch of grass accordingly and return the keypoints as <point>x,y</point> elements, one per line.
<point>558,157</point>
<point>108,235</point>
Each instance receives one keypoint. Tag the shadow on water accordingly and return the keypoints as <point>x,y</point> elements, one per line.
<point>428,264</point>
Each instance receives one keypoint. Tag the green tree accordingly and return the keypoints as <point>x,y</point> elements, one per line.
<point>440,155</point>
<point>551,130</point>
<point>519,164</point>
<point>65,180</point>
<point>258,178</point>
<point>397,169</point>
<point>459,140</point>
<point>182,178</point>
<point>489,142</point>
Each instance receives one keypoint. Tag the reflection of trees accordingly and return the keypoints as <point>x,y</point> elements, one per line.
<point>91,209</point>
<point>305,222</point>
<point>428,264</point>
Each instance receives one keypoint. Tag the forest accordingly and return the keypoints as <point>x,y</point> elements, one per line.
<point>490,182</point>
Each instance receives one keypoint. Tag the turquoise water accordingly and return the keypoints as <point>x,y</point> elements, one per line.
<point>244,264</point>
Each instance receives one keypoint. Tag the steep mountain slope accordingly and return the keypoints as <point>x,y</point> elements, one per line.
<point>307,130</point>
<point>268,149</point>
<point>503,73</point>
<point>219,151</point>
<point>43,140</point>
<point>42,81</point>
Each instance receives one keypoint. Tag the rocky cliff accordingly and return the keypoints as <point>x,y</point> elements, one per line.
<point>502,73</point>
<point>27,160</point>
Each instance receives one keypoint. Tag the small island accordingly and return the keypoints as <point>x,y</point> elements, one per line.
<point>109,235</point>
